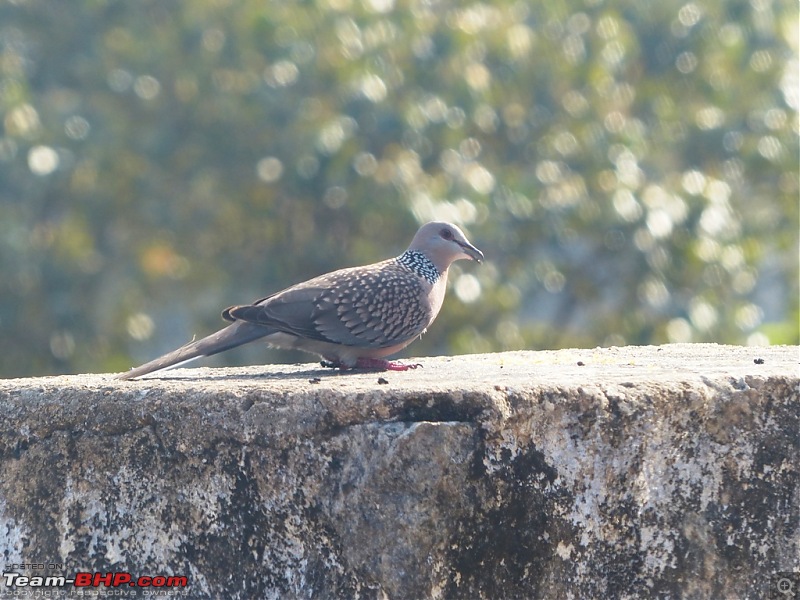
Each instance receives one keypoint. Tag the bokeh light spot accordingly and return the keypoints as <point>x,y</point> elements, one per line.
<point>679,331</point>
<point>62,344</point>
<point>468,288</point>
<point>42,160</point>
<point>269,169</point>
<point>140,326</point>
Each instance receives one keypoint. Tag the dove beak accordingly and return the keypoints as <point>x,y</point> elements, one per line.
<point>471,251</point>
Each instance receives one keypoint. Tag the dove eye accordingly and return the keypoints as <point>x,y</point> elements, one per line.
<point>446,234</point>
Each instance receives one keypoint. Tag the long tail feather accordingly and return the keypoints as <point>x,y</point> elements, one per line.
<point>233,335</point>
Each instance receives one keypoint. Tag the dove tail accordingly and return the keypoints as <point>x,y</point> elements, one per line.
<point>233,335</point>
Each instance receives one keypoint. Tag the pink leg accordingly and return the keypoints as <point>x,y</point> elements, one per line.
<point>383,365</point>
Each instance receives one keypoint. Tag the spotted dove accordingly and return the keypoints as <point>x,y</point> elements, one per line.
<point>352,318</point>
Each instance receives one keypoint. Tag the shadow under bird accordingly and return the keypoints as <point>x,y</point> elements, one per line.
<point>352,318</point>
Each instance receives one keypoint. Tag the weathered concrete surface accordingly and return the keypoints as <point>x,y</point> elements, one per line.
<point>666,472</point>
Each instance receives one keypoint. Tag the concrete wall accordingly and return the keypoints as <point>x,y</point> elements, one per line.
<point>666,472</point>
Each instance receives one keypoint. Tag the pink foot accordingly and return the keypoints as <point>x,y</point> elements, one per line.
<point>383,365</point>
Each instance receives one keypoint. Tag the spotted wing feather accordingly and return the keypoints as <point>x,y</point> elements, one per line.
<point>369,307</point>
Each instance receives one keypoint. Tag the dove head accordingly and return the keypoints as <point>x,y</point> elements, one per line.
<point>444,243</point>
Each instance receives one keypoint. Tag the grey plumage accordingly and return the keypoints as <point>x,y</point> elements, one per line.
<point>351,317</point>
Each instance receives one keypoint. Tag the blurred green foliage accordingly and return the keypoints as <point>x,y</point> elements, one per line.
<point>629,168</point>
